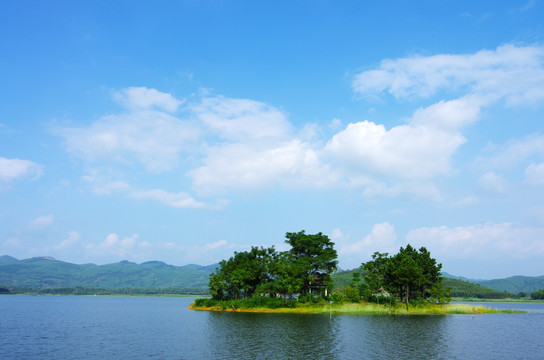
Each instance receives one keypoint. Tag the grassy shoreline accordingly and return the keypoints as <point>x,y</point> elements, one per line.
<point>363,309</point>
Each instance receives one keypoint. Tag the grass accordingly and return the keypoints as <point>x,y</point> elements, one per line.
<point>362,308</point>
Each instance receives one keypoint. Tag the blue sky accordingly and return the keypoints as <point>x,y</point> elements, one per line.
<point>185,131</point>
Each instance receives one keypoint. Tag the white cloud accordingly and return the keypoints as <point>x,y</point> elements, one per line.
<point>405,151</point>
<point>142,98</point>
<point>260,164</point>
<point>381,238</point>
<point>13,169</point>
<point>487,241</point>
<point>449,115</point>
<point>422,148</point>
<point>534,174</point>
<point>112,246</point>
<point>154,139</point>
<point>73,237</point>
<point>43,221</point>
<point>102,186</point>
<point>492,182</point>
<point>216,245</point>
<point>512,73</point>
<point>242,119</point>
<point>176,200</point>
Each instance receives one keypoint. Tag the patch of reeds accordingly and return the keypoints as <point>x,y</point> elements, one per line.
<point>271,305</point>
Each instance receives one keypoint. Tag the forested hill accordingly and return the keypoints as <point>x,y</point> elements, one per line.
<point>464,287</point>
<point>513,284</point>
<point>45,272</point>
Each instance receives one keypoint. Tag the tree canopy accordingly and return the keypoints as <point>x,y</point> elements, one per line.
<point>264,271</point>
<point>307,267</point>
<point>409,274</point>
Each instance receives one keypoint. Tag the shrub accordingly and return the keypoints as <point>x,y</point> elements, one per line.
<point>338,297</point>
<point>351,294</point>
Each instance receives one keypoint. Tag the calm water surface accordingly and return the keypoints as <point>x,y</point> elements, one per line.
<point>59,327</point>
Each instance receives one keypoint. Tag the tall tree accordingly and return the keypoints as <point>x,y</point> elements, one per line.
<point>404,273</point>
<point>375,271</point>
<point>314,257</point>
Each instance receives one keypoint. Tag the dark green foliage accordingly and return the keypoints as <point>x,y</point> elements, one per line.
<point>538,295</point>
<point>460,288</point>
<point>338,297</point>
<point>312,299</point>
<point>314,258</point>
<point>243,274</point>
<point>261,271</point>
<point>352,294</point>
<point>410,275</point>
<point>247,303</point>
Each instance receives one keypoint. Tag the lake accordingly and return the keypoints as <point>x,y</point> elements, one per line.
<point>78,327</point>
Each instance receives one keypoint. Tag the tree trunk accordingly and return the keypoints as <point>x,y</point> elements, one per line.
<point>407,296</point>
<point>389,304</point>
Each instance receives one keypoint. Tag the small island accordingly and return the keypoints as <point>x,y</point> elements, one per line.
<point>299,281</point>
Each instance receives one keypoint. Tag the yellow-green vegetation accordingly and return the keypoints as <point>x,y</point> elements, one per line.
<point>362,308</point>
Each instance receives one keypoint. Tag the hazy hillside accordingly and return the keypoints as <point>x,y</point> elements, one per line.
<point>46,272</point>
<point>515,284</point>
<point>461,288</point>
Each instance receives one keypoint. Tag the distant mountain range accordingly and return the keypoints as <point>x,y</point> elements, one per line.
<point>46,272</point>
<point>513,284</point>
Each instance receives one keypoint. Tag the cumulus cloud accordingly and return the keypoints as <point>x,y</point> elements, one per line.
<point>14,169</point>
<point>153,139</point>
<point>406,151</point>
<point>423,147</point>
<point>226,144</point>
<point>254,165</point>
<point>381,238</point>
<point>487,241</point>
<point>113,246</point>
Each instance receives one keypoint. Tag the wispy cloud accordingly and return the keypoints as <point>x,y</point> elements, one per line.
<point>42,221</point>
<point>14,169</point>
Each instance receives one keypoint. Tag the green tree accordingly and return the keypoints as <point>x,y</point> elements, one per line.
<point>241,275</point>
<point>538,295</point>
<point>430,271</point>
<point>404,273</point>
<point>375,271</point>
<point>314,258</point>
<point>408,274</point>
